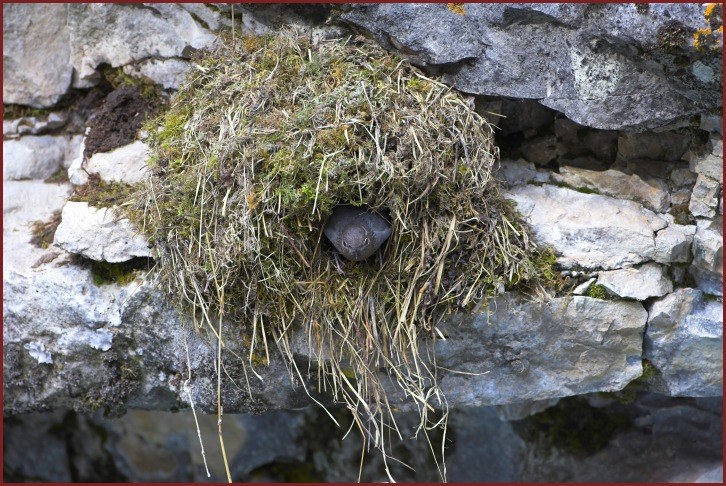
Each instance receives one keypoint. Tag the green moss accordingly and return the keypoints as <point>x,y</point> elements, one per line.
<point>117,78</point>
<point>105,273</point>
<point>597,291</point>
<point>99,193</point>
<point>42,232</point>
<point>60,177</point>
<point>13,112</point>
<point>628,394</point>
<point>573,426</point>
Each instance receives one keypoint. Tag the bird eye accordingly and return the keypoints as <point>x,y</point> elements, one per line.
<point>365,242</point>
<point>345,244</point>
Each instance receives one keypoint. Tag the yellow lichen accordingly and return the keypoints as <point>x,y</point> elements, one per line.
<point>457,8</point>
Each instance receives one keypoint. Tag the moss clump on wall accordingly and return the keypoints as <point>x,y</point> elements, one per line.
<point>42,232</point>
<point>268,135</point>
<point>99,193</point>
<point>597,291</point>
<point>105,273</point>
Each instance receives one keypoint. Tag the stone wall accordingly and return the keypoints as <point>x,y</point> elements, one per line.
<point>610,129</point>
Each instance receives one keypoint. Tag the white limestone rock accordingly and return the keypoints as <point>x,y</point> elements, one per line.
<point>562,347</point>
<point>673,244</point>
<point>36,54</point>
<point>169,73</point>
<point>589,230</point>
<point>707,265</point>
<point>517,172</point>
<point>649,280</point>
<point>124,164</point>
<point>120,34</point>
<point>99,234</point>
<point>30,125</point>
<point>684,340</point>
<point>652,193</point>
<point>27,201</point>
<point>704,197</point>
<point>711,164</point>
<point>33,157</point>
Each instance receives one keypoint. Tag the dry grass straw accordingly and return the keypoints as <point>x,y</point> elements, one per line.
<point>267,135</point>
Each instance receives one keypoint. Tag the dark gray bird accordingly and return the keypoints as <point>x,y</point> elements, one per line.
<point>356,232</point>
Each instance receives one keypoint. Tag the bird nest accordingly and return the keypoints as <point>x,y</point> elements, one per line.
<point>266,137</point>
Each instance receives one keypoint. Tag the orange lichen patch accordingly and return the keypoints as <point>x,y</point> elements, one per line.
<point>708,39</point>
<point>712,36</point>
<point>457,8</point>
<point>711,9</point>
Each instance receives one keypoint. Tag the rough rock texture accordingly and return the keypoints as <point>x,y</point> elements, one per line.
<point>125,164</point>
<point>665,440</point>
<point>33,157</point>
<point>704,198</point>
<point>31,125</point>
<point>684,340</point>
<point>707,266</point>
<point>608,66</point>
<point>169,73</point>
<point>711,163</point>
<point>522,351</point>
<point>99,234</point>
<point>107,33</point>
<point>644,282</point>
<point>653,194</point>
<point>36,54</point>
<point>673,244</point>
<point>589,230</point>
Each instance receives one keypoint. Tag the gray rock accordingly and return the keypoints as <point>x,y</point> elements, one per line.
<point>582,288</point>
<point>576,141</point>
<point>683,177</point>
<point>25,202</point>
<point>644,282</point>
<point>673,244</point>
<point>581,60</point>
<point>519,171</point>
<point>33,453</point>
<point>670,440</point>
<point>528,351</point>
<point>710,164</point>
<point>668,146</point>
<point>30,125</point>
<point>169,73</point>
<point>652,193</point>
<point>125,164</point>
<point>36,54</point>
<point>120,34</point>
<point>704,197</point>
<point>519,411</point>
<point>707,265</point>
<point>539,150</point>
<point>589,230</point>
<point>684,340</point>
<point>712,123</point>
<point>99,234</point>
<point>33,157</point>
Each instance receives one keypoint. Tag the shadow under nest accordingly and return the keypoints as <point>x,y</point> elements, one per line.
<point>264,139</point>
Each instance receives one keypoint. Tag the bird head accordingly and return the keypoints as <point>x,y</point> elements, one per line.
<point>355,242</point>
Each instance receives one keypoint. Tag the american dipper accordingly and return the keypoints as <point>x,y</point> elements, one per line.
<point>356,232</point>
